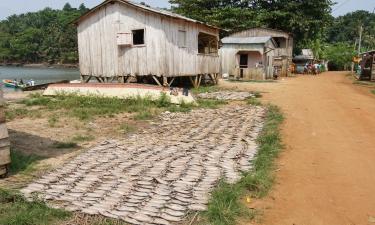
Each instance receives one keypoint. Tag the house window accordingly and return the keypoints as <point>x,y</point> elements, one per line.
<point>181,38</point>
<point>207,44</point>
<point>138,37</point>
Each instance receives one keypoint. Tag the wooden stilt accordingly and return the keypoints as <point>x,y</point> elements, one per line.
<point>193,81</point>
<point>199,79</point>
<point>156,80</point>
<point>87,79</point>
<point>99,80</point>
<point>171,82</point>
<point>165,81</point>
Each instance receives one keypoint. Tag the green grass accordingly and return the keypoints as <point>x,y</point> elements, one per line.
<point>12,114</point>
<point>22,163</point>
<point>225,206</point>
<point>373,91</point>
<point>87,107</point>
<point>254,101</point>
<point>15,210</point>
<point>82,138</point>
<point>127,128</point>
<point>205,89</point>
<point>364,83</point>
<point>144,115</point>
<point>53,120</point>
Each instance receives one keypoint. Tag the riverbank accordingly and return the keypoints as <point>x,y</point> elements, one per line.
<point>41,65</point>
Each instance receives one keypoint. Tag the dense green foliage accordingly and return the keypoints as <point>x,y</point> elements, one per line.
<point>346,29</point>
<point>43,36</point>
<point>307,20</point>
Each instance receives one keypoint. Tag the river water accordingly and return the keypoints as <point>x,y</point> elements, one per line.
<point>39,75</point>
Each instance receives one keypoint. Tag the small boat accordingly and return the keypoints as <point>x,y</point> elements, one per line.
<point>12,84</point>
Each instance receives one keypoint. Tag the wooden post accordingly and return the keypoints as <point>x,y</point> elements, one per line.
<point>87,79</point>
<point>165,81</point>
<point>156,80</point>
<point>170,83</point>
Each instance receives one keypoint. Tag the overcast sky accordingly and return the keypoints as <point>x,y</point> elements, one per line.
<point>9,7</point>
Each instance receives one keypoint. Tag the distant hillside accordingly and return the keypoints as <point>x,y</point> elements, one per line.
<point>45,36</point>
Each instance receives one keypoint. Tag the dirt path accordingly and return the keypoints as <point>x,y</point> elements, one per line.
<point>326,175</point>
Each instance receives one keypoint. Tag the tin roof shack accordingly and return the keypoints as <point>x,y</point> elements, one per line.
<point>248,58</point>
<point>283,54</point>
<point>119,39</point>
<point>367,65</point>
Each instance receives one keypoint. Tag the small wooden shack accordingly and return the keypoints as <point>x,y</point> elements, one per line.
<point>248,58</point>
<point>4,140</point>
<point>119,39</point>
<point>283,53</point>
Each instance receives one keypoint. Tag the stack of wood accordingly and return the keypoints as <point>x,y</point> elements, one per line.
<point>4,140</point>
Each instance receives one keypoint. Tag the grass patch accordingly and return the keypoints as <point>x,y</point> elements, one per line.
<point>364,83</point>
<point>225,206</point>
<point>88,107</point>
<point>15,210</point>
<point>65,145</point>
<point>53,120</point>
<point>373,91</point>
<point>22,163</point>
<point>205,89</point>
<point>127,128</point>
<point>14,113</point>
<point>254,101</point>
<point>82,138</point>
<point>144,115</point>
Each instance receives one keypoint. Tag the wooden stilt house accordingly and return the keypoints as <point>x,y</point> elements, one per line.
<point>119,39</point>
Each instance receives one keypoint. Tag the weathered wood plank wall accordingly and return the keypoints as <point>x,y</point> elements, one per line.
<point>100,55</point>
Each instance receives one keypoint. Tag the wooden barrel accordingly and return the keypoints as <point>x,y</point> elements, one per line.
<point>4,140</point>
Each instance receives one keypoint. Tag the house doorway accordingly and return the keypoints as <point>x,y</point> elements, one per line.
<point>244,58</point>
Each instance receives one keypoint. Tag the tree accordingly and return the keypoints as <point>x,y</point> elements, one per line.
<point>67,7</point>
<point>82,8</point>
<point>339,55</point>
<point>43,36</point>
<point>306,19</point>
<point>346,29</point>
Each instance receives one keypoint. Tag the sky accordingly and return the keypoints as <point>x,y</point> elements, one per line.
<point>9,7</point>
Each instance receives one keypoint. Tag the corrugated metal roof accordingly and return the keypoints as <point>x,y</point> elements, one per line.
<point>147,8</point>
<point>245,40</point>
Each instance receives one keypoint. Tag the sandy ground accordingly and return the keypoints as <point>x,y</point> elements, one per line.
<point>326,174</point>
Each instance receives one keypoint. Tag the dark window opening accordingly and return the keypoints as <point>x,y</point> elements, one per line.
<point>138,37</point>
<point>280,42</point>
<point>243,60</point>
<point>207,44</point>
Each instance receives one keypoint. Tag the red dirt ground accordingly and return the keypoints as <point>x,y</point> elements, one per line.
<point>326,173</point>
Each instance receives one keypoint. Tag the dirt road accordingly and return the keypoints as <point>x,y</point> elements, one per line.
<point>326,174</point>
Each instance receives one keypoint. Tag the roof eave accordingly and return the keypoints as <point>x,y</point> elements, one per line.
<point>78,20</point>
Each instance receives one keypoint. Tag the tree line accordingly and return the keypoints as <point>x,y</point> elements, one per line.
<point>44,36</point>
<point>49,36</point>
